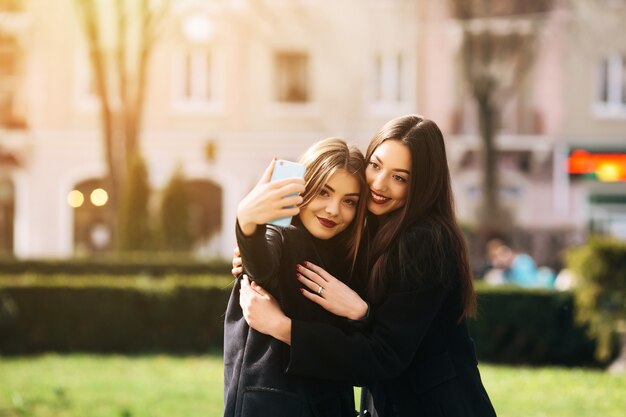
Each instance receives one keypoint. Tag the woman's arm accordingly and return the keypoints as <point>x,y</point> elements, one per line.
<point>269,200</point>
<point>261,246</point>
<point>262,312</point>
<point>325,351</point>
<point>382,351</point>
<point>396,329</point>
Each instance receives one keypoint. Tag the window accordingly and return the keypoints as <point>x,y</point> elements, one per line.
<point>9,80</point>
<point>86,96</point>
<point>291,72</point>
<point>611,87</point>
<point>195,77</point>
<point>388,78</point>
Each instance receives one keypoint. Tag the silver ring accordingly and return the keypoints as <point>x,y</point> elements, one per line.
<point>320,290</point>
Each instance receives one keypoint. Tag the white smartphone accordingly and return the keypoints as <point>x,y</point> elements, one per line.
<point>282,170</point>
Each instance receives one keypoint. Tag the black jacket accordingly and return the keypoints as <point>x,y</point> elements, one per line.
<point>255,383</point>
<point>416,358</point>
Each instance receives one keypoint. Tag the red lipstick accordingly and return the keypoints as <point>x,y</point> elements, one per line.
<point>326,223</point>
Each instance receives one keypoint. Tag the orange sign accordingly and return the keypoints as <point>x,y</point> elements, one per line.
<point>606,167</point>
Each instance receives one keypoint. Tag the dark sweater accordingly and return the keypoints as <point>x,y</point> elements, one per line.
<point>255,383</point>
<point>416,358</point>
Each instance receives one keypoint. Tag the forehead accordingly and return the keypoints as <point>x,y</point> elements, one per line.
<point>343,182</point>
<point>394,154</point>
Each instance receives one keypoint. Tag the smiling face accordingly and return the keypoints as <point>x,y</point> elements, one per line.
<point>388,175</point>
<point>333,209</point>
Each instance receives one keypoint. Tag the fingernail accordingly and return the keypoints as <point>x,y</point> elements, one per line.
<point>298,275</point>
<point>297,267</point>
<point>302,291</point>
<point>305,263</point>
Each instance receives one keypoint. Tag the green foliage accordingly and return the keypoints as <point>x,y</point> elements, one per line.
<point>160,386</point>
<point>600,268</point>
<point>174,215</point>
<point>111,386</point>
<point>115,314</point>
<point>174,313</point>
<point>148,263</point>
<point>8,312</point>
<point>528,326</point>
<point>133,232</point>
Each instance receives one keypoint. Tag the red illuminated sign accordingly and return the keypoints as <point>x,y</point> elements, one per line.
<point>607,167</point>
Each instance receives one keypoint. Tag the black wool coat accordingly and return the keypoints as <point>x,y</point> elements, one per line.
<point>255,383</point>
<point>416,358</point>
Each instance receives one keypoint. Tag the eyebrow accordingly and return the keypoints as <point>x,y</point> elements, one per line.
<point>333,190</point>
<point>393,169</point>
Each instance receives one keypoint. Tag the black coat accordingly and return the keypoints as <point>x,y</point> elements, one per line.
<point>416,358</point>
<point>255,383</point>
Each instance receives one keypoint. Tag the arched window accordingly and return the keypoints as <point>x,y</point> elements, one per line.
<point>205,209</point>
<point>92,223</point>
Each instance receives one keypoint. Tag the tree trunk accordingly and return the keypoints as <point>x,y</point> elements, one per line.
<point>98,65</point>
<point>491,217</point>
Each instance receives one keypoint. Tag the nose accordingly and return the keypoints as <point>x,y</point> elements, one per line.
<point>332,208</point>
<point>379,182</point>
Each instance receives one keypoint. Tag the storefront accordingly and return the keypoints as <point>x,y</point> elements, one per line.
<point>602,174</point>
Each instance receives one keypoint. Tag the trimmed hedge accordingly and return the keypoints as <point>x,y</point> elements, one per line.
<point>185,314</point>
<point>533,326</point>
<point>153,265</point>
<point>120,314</point>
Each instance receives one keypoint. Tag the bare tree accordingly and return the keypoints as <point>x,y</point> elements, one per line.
<point>498,46</point>
<point>120,36</point>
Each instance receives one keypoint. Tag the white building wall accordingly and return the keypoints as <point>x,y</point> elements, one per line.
<point>248,127</point>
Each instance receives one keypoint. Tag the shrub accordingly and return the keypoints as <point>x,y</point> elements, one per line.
<point>133,232</point>
<point>153,264</point>
<point>529,326</point>
<point>121,314</point>
<point>185,314</point>
<point>600,268</point>
<point>174,215</point>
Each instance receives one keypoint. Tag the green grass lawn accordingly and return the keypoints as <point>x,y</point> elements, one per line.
<point>154,386</point>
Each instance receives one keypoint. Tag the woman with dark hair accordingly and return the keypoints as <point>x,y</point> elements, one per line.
<point>414,354</point>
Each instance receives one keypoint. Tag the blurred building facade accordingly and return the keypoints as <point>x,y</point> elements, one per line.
<point>233,83</point>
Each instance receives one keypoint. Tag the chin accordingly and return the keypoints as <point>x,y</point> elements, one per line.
<point>325,234</point>
<point>376,209</point>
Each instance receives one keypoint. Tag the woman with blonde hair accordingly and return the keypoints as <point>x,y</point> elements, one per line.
<point>330,216</point>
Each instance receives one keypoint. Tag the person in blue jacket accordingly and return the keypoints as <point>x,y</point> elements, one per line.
<point>414,354</point>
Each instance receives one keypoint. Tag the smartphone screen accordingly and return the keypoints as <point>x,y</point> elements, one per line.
<point>282,170</point>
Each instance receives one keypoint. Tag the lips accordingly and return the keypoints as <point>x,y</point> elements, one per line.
<point>326,223</point>
<point>377,198</point>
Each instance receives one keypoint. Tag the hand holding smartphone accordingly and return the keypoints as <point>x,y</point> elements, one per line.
<point>283,170</point>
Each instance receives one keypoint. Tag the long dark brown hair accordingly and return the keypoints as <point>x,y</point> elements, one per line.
<point>429,202</point>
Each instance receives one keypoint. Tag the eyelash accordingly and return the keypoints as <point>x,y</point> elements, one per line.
<point>395,177</point>
<point>349,202</point>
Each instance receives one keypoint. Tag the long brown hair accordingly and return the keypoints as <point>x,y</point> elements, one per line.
<point>322,160</point>
<point>429,202</point>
